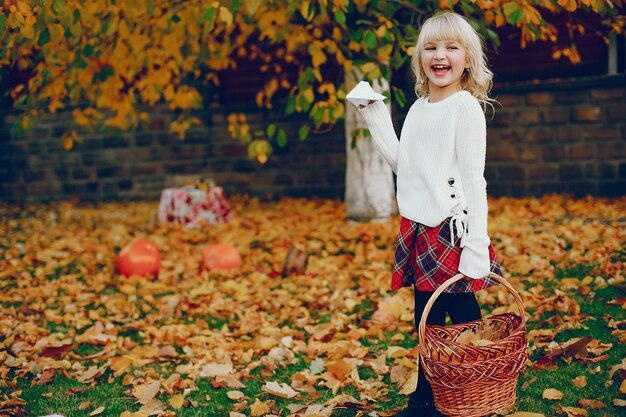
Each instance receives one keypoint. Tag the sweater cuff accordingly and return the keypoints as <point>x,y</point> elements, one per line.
<point>475,262</point>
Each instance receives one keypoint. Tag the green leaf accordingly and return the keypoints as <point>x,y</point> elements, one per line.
<point>370,39</point>
<point>281,138</point>
<point>340,17</point>
<point>88,51</point>
<point>399,96</point>
<point>21,101</point>
<point>304,103</point>
<point>271,130</point>
<point>3,23</point>
<point>80,63</point>
<point>210,13</point>
<point>175,18</point>
<point>44,38</point>
<point>512,12</point>
<point>303,132</point>
<point>290,108</point>
<point>58,6</point>
<point>210,16</point>
<point>104,73</point>
<point>317,116</point>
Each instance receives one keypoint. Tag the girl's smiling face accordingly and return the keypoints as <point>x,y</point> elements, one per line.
<point>443,62</point>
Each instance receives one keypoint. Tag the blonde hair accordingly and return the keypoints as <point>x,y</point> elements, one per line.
<point>477,80</point>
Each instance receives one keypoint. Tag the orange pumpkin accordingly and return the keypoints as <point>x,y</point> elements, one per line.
<point>140,257</point>
<point>220,256</point>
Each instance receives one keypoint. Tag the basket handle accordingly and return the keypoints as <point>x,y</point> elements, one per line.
<point>458,277</point>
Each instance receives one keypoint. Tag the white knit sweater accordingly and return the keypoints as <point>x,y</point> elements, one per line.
<point>440,162</point>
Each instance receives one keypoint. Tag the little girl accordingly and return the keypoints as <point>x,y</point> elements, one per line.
<point>441,189</point>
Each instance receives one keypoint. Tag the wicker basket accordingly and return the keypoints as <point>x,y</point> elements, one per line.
<point>473,381</point>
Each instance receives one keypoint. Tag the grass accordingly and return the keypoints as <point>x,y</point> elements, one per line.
<point>593,305</point>
<point>65,395</point>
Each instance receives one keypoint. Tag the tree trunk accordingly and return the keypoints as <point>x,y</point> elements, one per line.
<point>370,191</point>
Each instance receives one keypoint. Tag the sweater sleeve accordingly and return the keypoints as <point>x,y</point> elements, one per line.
<point>379,123</point>
<point>471,144</point>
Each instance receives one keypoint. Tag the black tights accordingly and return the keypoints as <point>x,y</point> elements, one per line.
<point>462,308</point>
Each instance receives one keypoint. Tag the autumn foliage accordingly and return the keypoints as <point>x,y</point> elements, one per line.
<point>328,337</point>
<point>110,61</point>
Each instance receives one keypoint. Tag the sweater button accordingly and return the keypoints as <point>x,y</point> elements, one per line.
<point>453,196</point>
<point>450,181</point>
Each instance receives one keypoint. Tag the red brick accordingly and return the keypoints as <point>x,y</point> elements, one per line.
<point>539,99</point>
<point>588,114</point>
<point>558,115</point>
<point>616,113</point>
<point>600,133</point>
<point>542,172</point>
<point>553,153</point>
<point>611,150</point>
<point>540,134</point>
<point>529,155</point>
<point>529,117</point>
<point>568,134</point>
<point>581,151</point>
<point>570,171</point>
<point>147,169</point>
<point>501,153</point>
<point>510,100</point>
<point>601,95</point>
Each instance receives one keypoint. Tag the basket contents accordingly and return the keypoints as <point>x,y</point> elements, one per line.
<point>484,334</point>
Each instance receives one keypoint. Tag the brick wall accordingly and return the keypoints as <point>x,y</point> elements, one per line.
<point>559,137</point>
<point>547,137</point>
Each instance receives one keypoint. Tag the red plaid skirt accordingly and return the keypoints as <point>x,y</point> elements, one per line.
<point>426,258</point>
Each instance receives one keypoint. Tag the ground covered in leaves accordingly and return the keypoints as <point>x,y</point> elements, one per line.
<point>78,339</point>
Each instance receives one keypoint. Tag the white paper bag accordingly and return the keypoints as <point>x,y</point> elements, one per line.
<point>362,94</point>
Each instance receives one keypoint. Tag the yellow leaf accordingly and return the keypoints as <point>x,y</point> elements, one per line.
<point>85,405</point>
<point>580,381</point>
<point>146,392</point>
<point>259,408</point>
<point>177,401</point>
<point>97,411</point>
<point>317,54</point>
<point>280,390</point>
<point>306,11</point>
<point>552,394</point>
<point>27,31</point>
<point>120,364</point>
<point>592,404</point>
<point>226,16</point>
<point>354,46</point>
<point>569,5</point>
<point>573,411</point>
<point>69,139</point>
<point>309,95</point>
<point>525,414</point>
<point>409,385</point>
<point>367,67</point>
<point>235,395</point>
<point>134,8</point>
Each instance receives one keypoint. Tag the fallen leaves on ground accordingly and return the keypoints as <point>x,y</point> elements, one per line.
<point>60,297</point>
